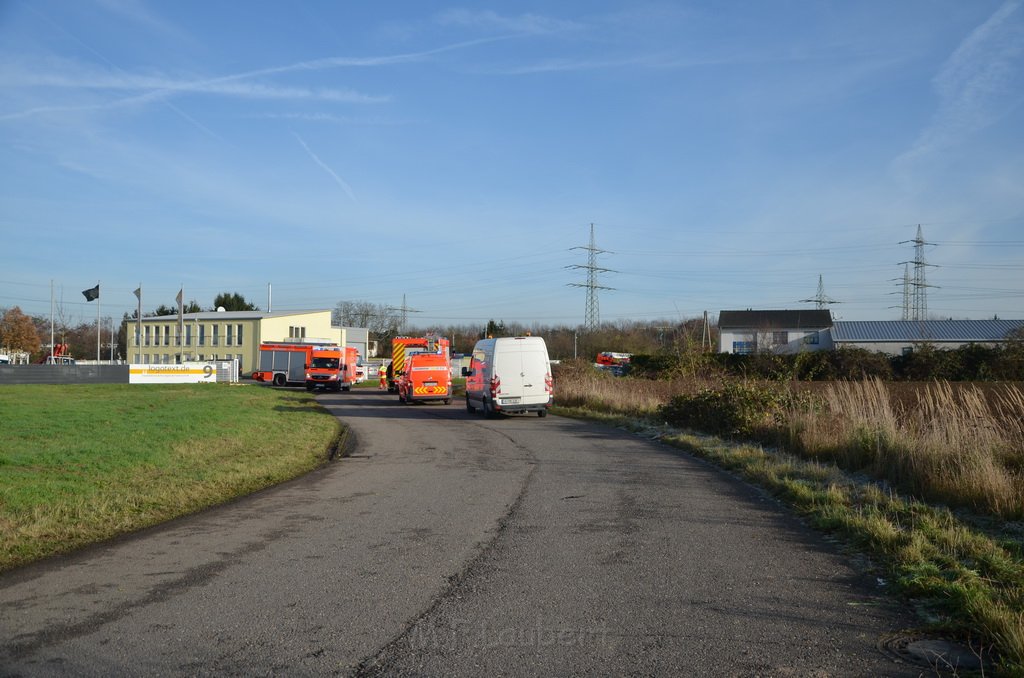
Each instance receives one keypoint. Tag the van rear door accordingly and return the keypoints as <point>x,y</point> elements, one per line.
<point>535,371</point>
<point>521,367</point>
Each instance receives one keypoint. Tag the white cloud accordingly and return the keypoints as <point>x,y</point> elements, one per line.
<point>334,175</point>
<point>137,12</point>
<point>490,20</point>
<point>980,83</point>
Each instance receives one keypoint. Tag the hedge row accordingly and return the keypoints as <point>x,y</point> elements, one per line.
<point>972,362</point>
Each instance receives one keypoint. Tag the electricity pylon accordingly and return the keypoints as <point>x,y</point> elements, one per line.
<point>592,316</point>
<point>820,300</point>
<point>918,290</point>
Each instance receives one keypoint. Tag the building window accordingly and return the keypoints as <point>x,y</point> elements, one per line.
<point>188,335</point>
<point>780,338</point>
<point>167,335</point>
<point>908,350</point>
<point>811,338</point>
<point>238,334</point>
<point>296,332</point>
<point>147,328</point>
<point>215,339</point>
<point>744,347</point>
<point>202,335</point>
<point>229,339</point>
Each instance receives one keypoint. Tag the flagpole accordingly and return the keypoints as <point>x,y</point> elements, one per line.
<point>138,324</point>
<point>51,316</point>
<point>97,323</point>
<point>181,324</point>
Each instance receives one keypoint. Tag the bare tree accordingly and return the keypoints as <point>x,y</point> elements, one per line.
<point>382,321</point>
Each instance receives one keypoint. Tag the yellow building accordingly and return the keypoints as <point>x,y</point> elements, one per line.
<point>224,335</point>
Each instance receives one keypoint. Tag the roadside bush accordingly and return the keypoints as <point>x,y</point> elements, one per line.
<point>654,366</point>
<point>853,364</point>
<point>743,409</point>
<point>755,365</point>
<point>973,362</point>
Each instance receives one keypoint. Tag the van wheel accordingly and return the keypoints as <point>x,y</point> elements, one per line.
<point>488,410</point>
<point>469,408</point>
<point>279,380</point>
<point>542,413</point>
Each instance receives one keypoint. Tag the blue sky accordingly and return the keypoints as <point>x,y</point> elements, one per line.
<point>727,153</point>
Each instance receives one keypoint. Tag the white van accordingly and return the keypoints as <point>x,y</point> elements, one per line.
<point>509,374</point>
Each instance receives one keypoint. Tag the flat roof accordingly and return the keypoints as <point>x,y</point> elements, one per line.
<point>233,315</point>
<point>880,331</point>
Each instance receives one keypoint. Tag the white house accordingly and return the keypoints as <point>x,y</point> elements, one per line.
<point>778,331</point>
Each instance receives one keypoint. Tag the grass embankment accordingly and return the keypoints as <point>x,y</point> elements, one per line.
<point>872,468</point>
<point>79,464</point>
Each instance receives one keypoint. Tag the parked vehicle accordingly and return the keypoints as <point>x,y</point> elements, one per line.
<point>60,355</point>
<point>400,346</point>
<point>427,373</point>
<point>283,363</point>
<point>616,363</point>
<point>326,369</point>
<point>354,372</point>
<point>611,359</point>
<point>509,374</point>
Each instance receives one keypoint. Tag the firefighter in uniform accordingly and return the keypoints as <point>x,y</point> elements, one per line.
<point>383,372</point>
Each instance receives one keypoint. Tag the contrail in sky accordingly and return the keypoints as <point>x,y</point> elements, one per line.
<point>341,182</point>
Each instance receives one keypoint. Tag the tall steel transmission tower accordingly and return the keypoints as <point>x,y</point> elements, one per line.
<point>592,316</point>
<point>404,308</point>
<point>917,292</point>
<point>906,291</point>
<point>820,300</point>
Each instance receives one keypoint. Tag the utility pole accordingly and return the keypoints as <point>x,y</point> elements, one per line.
<point>592,315</point>
<point>918,291</point>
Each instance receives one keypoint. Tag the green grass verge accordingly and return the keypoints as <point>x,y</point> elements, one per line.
<point>965,576</point>
<point>83,463</point>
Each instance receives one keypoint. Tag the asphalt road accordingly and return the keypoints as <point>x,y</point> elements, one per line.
<point>449,544</point>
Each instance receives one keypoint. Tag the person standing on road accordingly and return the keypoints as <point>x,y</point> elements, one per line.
<point>383,372</point>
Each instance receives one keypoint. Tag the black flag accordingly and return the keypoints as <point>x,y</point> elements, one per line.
<point>92,294</point>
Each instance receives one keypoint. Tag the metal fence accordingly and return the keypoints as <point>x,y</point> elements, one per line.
<point>63,374</point>
<point>227,372</point>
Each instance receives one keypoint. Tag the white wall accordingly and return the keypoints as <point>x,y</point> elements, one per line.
<point>797,340</point>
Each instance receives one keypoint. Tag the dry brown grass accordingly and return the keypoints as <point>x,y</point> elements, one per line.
<point>959,444</point>
<point>580,385</point>
<point>956,445</point>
